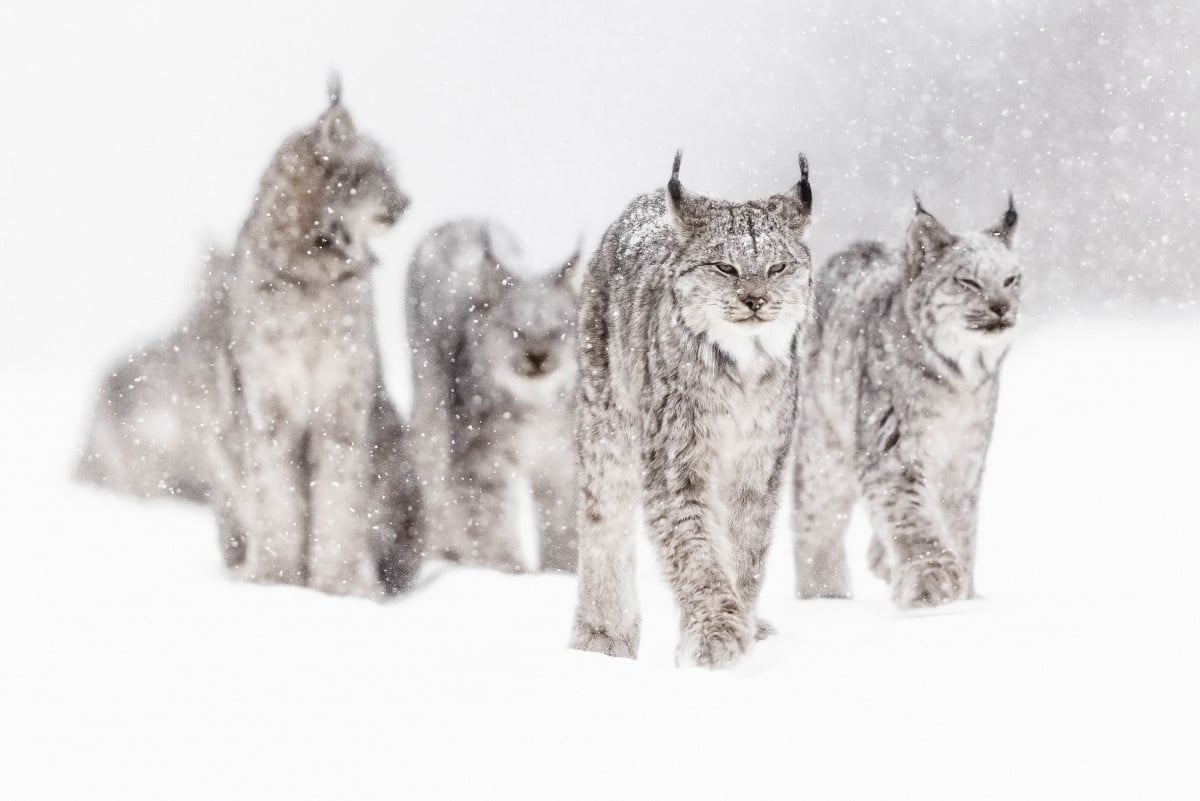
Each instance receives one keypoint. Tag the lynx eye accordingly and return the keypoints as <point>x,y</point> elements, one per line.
<point>322,241</point>
<point>727,269</point>
<point>969,283</point>
<point>777,269</point>
<point>1011,280</point>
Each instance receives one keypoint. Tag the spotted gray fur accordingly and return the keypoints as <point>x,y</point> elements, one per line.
<point>308,449</point>
<point>898,398</point>
<point>689,324</point>
<point>493,377</point>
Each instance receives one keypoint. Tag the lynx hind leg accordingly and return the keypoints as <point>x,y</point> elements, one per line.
<point>825,491</point>
<point>607,619</point>
<point>877,560</point>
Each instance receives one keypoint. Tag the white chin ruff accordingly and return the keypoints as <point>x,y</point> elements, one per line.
<point>540,390</point>
<point>746,344</point>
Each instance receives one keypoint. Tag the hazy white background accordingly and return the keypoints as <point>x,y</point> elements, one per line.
<point>132,136</point>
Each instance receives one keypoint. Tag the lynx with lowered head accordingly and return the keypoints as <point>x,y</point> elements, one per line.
<point>898,396</point>
<point>690,321</point>
<point>305,431</point>
<point>493,378</point>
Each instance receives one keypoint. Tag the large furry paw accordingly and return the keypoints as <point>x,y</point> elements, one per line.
<point>398,568</point>
<point>928,582</point>
<point>808,587</point>
<point>716,637</point>
<point>254,567</point>
<point>763,629</point>
<point>601,640</point>
<point>503,561</point>
<point>359,579</point>
<point>231,539</point>
<point>822,573</point>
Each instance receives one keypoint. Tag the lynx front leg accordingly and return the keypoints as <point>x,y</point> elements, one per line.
<point>716,628</point>
<point>441,521</point>
<point>823,499</point>
<point>962,513</point>
<point>488,477</point>
<point>923,564</point>
<point>752,499</point>
<point>273,508</point>
<point>341,559</point>
<point>554,501</point>
<point>606,619</point>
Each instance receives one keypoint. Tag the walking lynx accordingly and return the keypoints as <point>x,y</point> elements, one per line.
<point>898,396</point>
<point>691,314</point>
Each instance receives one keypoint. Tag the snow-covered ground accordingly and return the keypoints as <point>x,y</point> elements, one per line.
<point>133,668</point>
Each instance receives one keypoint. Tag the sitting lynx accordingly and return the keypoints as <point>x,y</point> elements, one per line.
<point>688,356</point>
<point>898,396</point>
<point>298,454</point>
<point>493,375</point>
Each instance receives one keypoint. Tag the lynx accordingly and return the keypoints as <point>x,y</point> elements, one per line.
<point>691,316</point>
<point>899,393</point>
<point>294,477</point>
<point>148,430</point>
<point>493,377</point>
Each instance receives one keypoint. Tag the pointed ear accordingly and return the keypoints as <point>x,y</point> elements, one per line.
<point>796,204</point>
<point>1006,229</point>
<point>681,213</point>
<point>495,280</point>
<point>335,128</point>
<point>571,273</point>
<point>927,240</point>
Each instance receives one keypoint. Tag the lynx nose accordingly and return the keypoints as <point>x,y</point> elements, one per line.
<point>754,302</point>
<point>537,357</point>
<point>1000,307</point>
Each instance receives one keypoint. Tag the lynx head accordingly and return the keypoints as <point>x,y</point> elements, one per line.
<point>333,189</point>
<point>530,328</point>
<point>964,287</point>
<point>743,274</point>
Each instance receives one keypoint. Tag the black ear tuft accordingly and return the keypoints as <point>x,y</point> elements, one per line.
<point>1006,229</point>
<point>673,186</point>
<point>1010,216</point>
<point>333,88</point>
<point>804,188</point>
<point>917,202</point>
